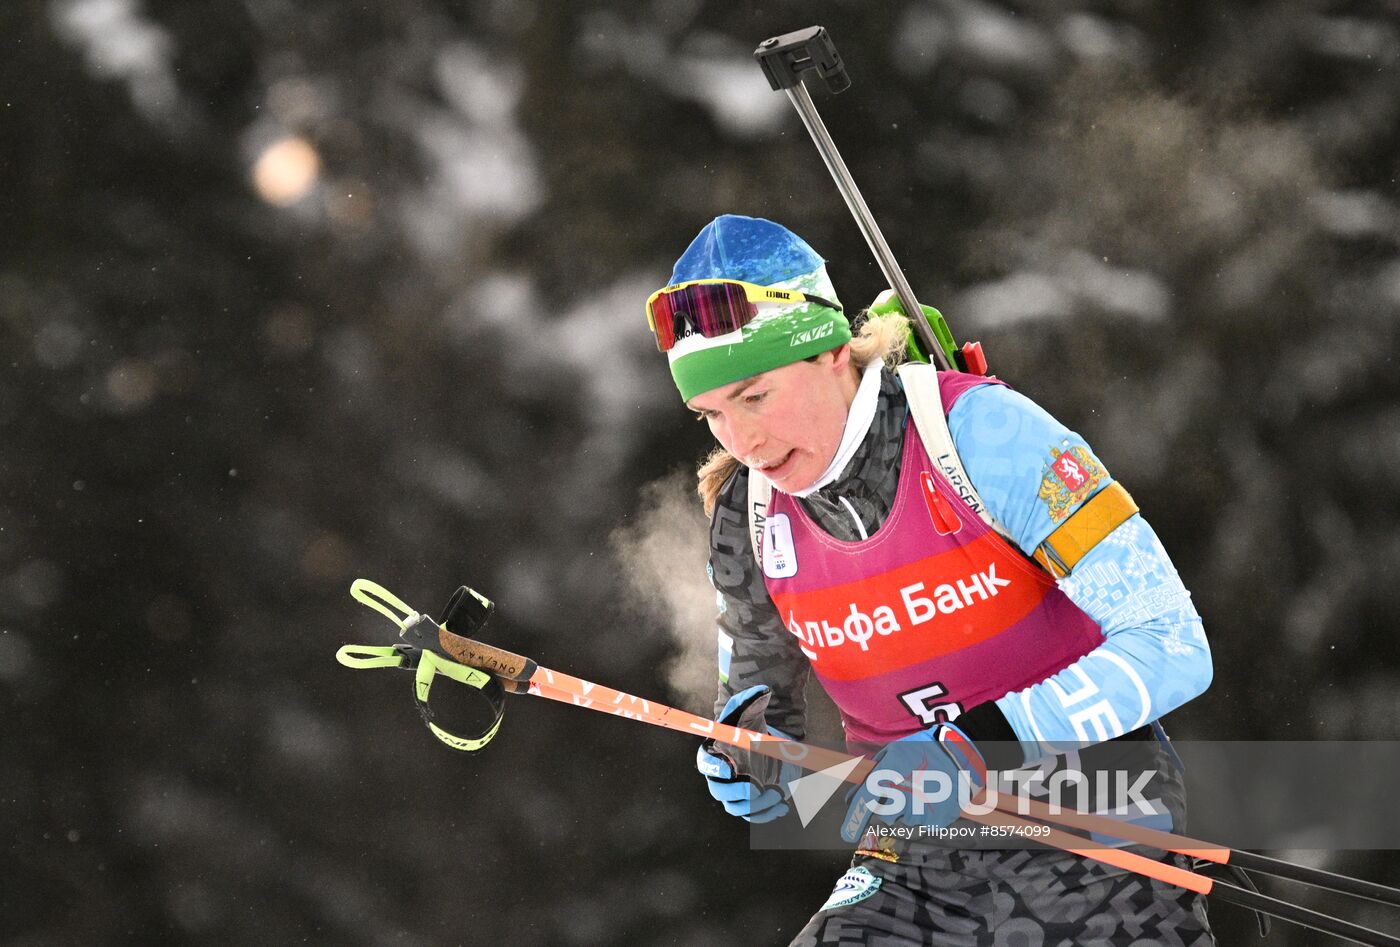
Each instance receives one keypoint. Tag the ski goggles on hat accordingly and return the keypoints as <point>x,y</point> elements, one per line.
<point>714,307</point>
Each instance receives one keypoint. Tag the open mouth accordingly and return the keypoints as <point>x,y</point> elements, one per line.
<point>778,467</point>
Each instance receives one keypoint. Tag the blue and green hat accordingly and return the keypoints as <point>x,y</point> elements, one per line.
<point>755,251</point>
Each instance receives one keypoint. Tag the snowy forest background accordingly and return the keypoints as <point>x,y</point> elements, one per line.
<point>292,293</point>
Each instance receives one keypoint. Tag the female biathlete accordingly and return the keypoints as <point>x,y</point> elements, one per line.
<point>1049,630</point>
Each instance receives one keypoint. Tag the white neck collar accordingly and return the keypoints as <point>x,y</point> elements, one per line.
<point>858,420</point>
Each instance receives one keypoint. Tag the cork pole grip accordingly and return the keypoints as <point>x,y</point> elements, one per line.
<point>502,663</point>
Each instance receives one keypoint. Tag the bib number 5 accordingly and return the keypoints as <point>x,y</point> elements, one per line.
<point>921,702</point>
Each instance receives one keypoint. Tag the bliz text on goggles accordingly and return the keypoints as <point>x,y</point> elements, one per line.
<point>714,307</point>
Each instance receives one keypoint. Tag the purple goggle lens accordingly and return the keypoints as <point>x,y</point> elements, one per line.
<point>711,309</point>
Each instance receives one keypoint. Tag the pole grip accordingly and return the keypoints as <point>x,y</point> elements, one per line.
<point>498,661</point>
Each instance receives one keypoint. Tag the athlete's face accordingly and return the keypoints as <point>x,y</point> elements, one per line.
<point>786,423</point>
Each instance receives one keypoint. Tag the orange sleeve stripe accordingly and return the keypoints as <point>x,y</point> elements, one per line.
<point>1100,515</point>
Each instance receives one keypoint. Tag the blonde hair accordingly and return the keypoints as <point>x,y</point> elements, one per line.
<point>885,337</point>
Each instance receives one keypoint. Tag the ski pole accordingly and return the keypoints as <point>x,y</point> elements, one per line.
<point>464,659</point>
<point>785,60</point>
<point>1206,851</point>
<point>435,646</point>
<point>570,690</point>
<point>1192,881</point>
<point>1220,855</point>
<point>1304,917</point>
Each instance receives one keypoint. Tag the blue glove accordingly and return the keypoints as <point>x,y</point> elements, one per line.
<point>749,785</point>
<point>916,780</point>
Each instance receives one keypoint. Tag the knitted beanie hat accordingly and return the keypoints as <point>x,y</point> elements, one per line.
<point>762,252</point>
